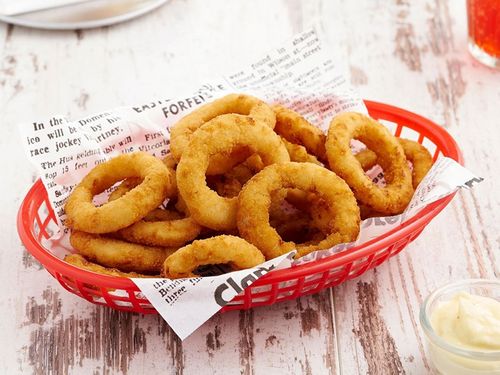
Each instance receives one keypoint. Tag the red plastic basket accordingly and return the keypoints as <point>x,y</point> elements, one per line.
<point>35,214</point>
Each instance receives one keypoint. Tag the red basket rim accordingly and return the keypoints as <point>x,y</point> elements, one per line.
<point>425,127</point>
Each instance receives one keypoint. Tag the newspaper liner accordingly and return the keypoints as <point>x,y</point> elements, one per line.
<point>300,75</point>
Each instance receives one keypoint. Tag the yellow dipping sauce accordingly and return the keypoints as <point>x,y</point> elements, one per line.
<point>471,323</point>
<point>468,321</point>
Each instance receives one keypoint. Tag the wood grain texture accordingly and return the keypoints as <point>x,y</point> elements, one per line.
<point>411,54</point>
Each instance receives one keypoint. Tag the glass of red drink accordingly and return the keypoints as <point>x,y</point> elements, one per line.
<point>484,31</point>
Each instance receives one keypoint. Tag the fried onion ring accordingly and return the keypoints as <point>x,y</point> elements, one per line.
<point>224,186</point>
<point>300,207</point>
<point>396,195</point>
<point>313,204</point>
<point>221,134</point>
<point>235,251</point>
<point>293,222</point>
<point>229,184</point>
<point>125,256</point>
<point>79,261</point>
<point>366,158</point>
<point>162,233</point>
<point>255,199</point>
<point>158,214</point>
<point>299,153</point>
<point>169,228</point>
<point>419,157</point>
<point>182,132</point>
<point>415,153</point>
<point>133,206</point>
<point>296,129</point>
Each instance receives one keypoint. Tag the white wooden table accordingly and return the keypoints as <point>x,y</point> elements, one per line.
<point>410,55</point>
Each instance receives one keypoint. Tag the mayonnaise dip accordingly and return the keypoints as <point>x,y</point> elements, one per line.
<point>470,323</point>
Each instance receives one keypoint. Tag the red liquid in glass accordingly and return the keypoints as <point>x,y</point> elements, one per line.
<point>484,25</point>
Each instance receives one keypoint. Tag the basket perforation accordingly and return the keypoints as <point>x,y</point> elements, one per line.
<point>362,267</point>
<point>63,281</point>
<point>278,285</point>
<point>338,275</point>
<point>42,233</point>
<point>84,291</point>
<point>381,257</point>
<point>109,300</point>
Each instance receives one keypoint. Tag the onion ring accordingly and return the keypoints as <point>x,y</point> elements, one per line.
<point>158,214</point>
<point>254,163</point>
<point>124,187</point>
<point>396,195</point>
<point>313,204</point>
<point>299,153</point>
<point>215,250</point>
<point>169,229</point>
<point>366,158</point>
<point>296,129</point>
<point>291,222</point>
<point>125,256</point>
<point>300,207</point>
<point>299,231</point>
<point>137,203</point>
<point>225,186</point>
<point>366,212</point>
<point>173,233</point>
<point>415,153</point>
<point>419,157</point>
<point>241,173</point>
<point>255,199</point>
<point>221,134</point>
<point>79,261</point>
<point>229,184</point>
<point>182,132</point>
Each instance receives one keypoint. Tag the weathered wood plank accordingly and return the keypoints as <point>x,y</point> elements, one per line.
<point>427,42</point>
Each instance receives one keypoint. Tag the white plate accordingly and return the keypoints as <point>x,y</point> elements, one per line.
<point>85,15</point>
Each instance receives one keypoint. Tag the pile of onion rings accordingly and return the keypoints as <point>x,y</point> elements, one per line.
<point>243,182</point>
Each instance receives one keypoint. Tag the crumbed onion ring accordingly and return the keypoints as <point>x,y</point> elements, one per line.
<point>366,158</point>
<point>292,218</point>
<point>296,129</point>
<point>158,214</point>
<point>224,185</point>
<point>312,203</point>
<point>162,233</point>
<point>415,153</point>
<point>79,261</point>
<point>182,132</point>
<point>255,199</point>
<point>229,184</point>
<point>160,227</point>
<point>392,198</point>
<point>223,133</point>
<point>224,249</point>
<point>419,157</point>
<point>125,256</point>
<point>133,206</point>
<point>299,153</point>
